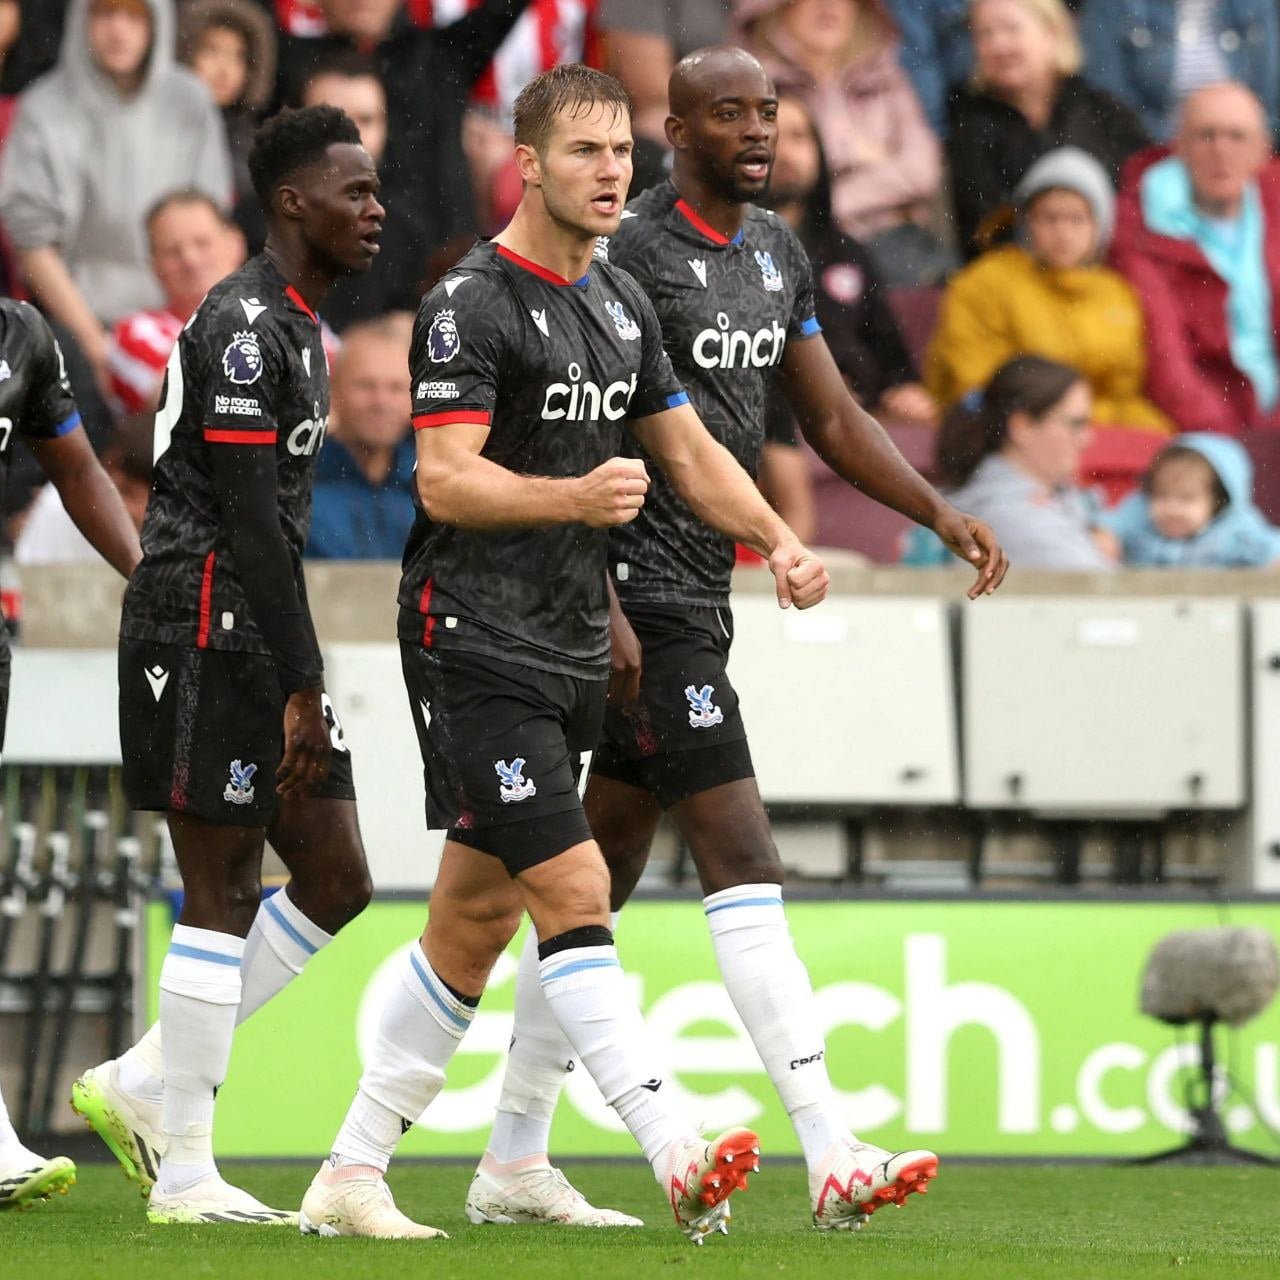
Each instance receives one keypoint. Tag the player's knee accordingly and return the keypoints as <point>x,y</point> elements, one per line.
<point>335,904</point>
<point>585,899</point>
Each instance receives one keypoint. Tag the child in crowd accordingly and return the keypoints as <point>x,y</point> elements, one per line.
<point>1195,510</point>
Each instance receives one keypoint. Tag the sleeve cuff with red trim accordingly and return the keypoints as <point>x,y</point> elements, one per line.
<point>477,417</point>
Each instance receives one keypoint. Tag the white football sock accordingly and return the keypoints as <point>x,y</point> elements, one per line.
<point>588,995</point>
<point>12,1151</point>
<point>770,989</point>
<point>199,994</point>
<point>537,1062</point>
<point>280,942</point>
<point>422,1024</point>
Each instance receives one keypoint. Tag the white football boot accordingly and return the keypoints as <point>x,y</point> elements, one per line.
<point>855,1178</point>
<point>130,1126</point>
<point>213,1200</point>
<point>353,1201</point>
<point>26,1177</point>
<point>532,1191</point>
<point>701,1176</point>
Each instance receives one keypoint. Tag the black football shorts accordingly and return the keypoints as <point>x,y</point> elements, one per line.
<point>502,751</point>
<point>686,735</point>
<point>201,732</point>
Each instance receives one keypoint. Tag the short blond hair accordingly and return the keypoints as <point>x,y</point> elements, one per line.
<point>1069,57</point>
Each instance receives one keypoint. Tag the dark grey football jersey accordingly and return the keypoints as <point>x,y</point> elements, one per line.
<point>247,371</point>
<point>553,368</point>
<point>728,308</point>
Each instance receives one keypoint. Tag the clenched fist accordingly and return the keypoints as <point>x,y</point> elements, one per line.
<point>612,494</point>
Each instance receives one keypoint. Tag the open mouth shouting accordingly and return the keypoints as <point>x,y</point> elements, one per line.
<point>753,165</point>
<point>607,203</point>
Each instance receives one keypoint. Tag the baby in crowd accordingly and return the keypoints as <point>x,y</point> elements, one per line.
<point>1195,510</point>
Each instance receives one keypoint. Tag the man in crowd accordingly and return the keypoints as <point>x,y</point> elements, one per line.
<point>1198,236</point>
<point>362,508</point>
<point>193,246</point>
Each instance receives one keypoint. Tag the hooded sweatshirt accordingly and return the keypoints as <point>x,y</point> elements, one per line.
<point>84,164</point>
<point>883,155</point>
<point>1008,303</point>
<point>1238,537</point>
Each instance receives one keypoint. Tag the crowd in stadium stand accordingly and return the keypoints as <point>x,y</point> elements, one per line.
<point>1045,234</point>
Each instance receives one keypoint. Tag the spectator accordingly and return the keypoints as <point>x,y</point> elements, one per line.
<point>427,75</point>
<point>1152,53</point>
<point>96,143</point>
<point>936,51</point>
<point>1049,295</point>
<point>851,306</point>
<point>1195,510</point>
<point>641,44</point>
<point>841,58</point>
<point>1025,98</point>
<point>1010,455</point>
<point>362,506</point>
<point>394,282</point>
<point>193,245</point>
<point>49,535</point>
<point>10,28</point>
<point>1198,236</point>
<point>231,46</point>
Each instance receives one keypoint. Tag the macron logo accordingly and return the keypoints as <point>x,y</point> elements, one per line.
<point>451,285</point>
<point>252,308</point>
<point>306,360</point>
<point>540,319</point>
<point>700,270</point>
<point>157,678</point>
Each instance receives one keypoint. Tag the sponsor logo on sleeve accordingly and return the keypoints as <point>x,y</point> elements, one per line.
<point>242,360</point>
<point>443,342</point>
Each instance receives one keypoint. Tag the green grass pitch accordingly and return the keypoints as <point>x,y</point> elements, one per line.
<point>987,1222</point>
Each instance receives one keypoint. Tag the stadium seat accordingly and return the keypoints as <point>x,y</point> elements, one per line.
<point>916,310</point>
<point>846,518</point>
<point>1264,449</point>
<point>1117,457</point>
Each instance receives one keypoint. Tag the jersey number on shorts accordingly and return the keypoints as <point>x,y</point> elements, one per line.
<point>336,737</point>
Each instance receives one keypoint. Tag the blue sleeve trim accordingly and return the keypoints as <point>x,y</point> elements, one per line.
<point>65,428</point>
<point>675,401</point>
<point>809,327</point>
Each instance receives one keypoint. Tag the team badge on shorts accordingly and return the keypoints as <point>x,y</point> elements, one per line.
<point>512,784</point>
<point>769,274</point>
<point>240,788</point>
<point>242,360</point>
<point>443,342</point>
<point>627,328</point>
<point>702,713</point>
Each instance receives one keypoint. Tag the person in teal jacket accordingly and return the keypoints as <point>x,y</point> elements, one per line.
<point>1195,510</point>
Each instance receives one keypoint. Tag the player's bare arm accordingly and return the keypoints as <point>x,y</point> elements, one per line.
<point>457,485</point>
<point>91,500</point>
<point>625,657</point>
<point>721,494</point>
<point>857,448</point>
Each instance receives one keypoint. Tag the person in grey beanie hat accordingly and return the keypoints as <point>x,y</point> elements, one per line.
<point>1070,169</point>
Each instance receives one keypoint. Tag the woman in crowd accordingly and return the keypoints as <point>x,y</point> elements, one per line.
<point>231,46</point>
<point>1050,295</point>
<point>1023,99</point>
<point>1010,455</point>
<point>841,58</point>
<point>851,305</point>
